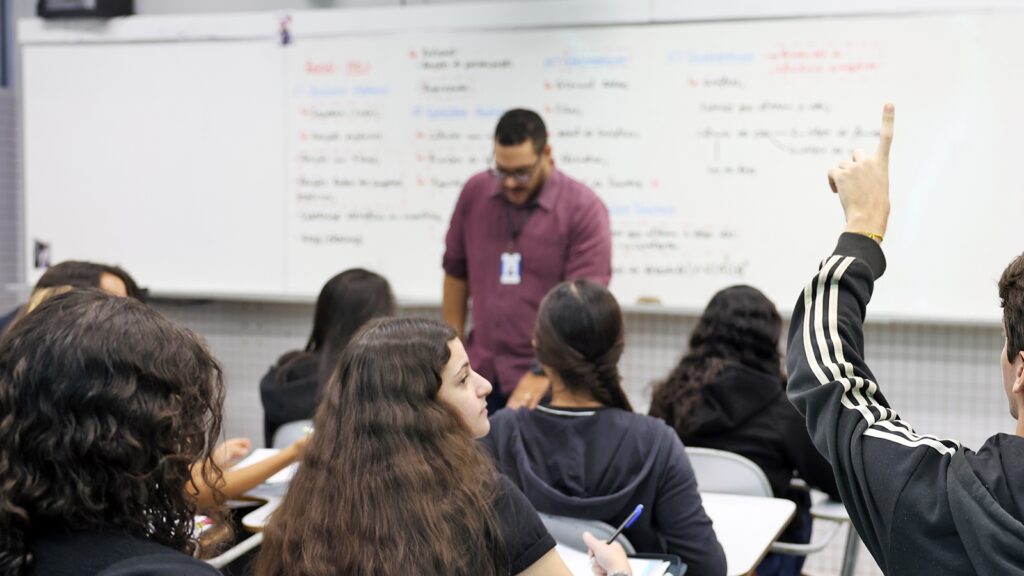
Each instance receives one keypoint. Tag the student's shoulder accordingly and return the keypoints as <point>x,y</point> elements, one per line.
<point>650,431</point>
<point>293,366</point>
<point>640,422</point>
<point>504,421</point>
<point>168,563</point>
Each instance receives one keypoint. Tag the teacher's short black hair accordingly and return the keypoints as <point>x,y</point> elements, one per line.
<point>519,125</point>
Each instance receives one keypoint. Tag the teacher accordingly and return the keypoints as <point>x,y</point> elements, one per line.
<point>518,229</point>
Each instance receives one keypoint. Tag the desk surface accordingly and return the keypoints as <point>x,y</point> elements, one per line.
<point>746,526</point>
<point>272,494</point>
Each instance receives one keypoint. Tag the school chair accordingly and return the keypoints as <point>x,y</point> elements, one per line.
<point>569,531</point>
<point>729,473</point>
<point>288,433</point>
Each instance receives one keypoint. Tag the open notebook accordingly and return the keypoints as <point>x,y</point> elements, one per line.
<point>579,563</point>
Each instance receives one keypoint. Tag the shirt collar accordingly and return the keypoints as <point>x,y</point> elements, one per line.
<point>545,197</point>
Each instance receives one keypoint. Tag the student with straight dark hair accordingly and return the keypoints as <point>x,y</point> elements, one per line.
<point>393,481</point>
<point>77,274</point>
<point>347,301</point>
<point>80,274</point>
<point>923,505</point>
<point>585,454</point>
<point>105,407</point>
<point>729,392</point>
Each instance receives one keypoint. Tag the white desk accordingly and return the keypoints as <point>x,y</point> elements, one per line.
<point>271,494</point>
<point>746,526</point>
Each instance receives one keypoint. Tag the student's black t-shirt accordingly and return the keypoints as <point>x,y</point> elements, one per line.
<point>109,553</point>
<point>526,538</point>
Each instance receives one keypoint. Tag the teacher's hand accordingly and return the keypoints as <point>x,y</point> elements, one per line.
<point>863,184</point>
<point>529,391</point>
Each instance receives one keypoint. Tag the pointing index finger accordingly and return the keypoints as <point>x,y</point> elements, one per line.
<point>885,135</point>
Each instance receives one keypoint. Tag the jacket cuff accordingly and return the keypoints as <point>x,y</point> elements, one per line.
<point>864,248</point>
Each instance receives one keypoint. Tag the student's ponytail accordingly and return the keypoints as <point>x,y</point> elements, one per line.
<point>579,335</point>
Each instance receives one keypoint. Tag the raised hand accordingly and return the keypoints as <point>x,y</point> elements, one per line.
<point>863,184</point>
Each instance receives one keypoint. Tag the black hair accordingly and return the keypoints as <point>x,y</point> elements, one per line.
<point>81,274</point>
<point>346,302</point>
<point>740,324</point>
<point>1011,296</point>
<point>579,335</point>
<point>519,125</point>
<point>106,407</point>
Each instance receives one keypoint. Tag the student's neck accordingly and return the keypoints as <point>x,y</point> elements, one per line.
<point>564,398</point>
<point>1020,427</point>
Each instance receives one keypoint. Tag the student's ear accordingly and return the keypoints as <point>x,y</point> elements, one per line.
<point>547,151</point>
<point>1018,367</point>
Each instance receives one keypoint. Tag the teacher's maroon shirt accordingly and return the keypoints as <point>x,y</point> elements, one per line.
<point>564,234</point>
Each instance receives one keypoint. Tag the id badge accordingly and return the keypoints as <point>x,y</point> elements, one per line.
<point>511,268</point>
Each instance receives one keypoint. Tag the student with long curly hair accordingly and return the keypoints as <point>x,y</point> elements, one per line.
<point>105,407</point>
<point>729,392</point>
<point>585,453</point>
<point>393,481</point>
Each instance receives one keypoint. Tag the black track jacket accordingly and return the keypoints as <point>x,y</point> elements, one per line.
<point>922,505</point>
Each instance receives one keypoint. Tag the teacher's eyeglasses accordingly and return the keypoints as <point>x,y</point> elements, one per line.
<point>520,175</point>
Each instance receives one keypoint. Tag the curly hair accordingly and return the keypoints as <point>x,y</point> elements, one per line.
<point>579,335</point>
<point>740,324</point>
<point>1011,296</point>
<point>105,406</point>
<point>392,480</point>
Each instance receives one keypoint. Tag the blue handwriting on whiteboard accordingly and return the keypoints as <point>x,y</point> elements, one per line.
<point>327,91</point>
<point>437,113</point>
<point>370,91</point>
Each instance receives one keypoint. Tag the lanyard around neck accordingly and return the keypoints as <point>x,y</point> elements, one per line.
<point>516,228</point>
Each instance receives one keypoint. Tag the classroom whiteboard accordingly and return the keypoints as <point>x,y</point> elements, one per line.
<point>250,169</point>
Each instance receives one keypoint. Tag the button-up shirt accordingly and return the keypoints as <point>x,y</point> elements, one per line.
<point>563,234</point>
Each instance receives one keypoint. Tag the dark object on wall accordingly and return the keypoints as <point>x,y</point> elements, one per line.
<point>5,44</point>
<point>84,8</point>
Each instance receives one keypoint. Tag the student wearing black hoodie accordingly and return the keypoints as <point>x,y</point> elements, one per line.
<point>291,388</point>
<point>585,454</point>
<point>728,392</point>
<point>922,505</point>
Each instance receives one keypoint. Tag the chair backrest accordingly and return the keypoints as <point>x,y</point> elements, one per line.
<point>727,473</point>
<point>569,531</point>
<point>288,433</point>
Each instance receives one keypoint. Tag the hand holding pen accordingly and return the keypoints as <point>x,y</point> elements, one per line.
<point>609,557</point>
<point>606,559</point>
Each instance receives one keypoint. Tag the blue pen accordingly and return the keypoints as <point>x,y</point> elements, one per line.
<point>629,522</point>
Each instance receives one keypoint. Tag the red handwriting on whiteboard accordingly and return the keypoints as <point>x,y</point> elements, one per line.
<point>357,67</point>
<point>319,68</point>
